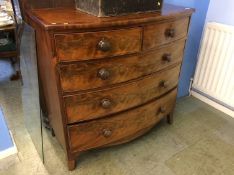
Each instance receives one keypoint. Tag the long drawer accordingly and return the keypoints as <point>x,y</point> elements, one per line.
<point>101,103</point>
<point>95,45</point>
<point>159,34</point>
<point>95,74</point>
<point>120,127</point>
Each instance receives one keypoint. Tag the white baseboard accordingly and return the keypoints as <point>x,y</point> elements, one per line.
<point>212,103</point>
<point>10,151</point>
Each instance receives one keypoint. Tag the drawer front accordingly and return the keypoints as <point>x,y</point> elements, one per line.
<point>94,45</point>
<point>95,74</point>
<point>97,104</point>
<point>159,34</point>
<point>120,128</point>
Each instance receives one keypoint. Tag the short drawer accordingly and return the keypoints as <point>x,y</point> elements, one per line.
<point>159,34</point>
<point>104,102</point>
<point>119,128</point>
<point>95,45</point>
<point>96,74</point>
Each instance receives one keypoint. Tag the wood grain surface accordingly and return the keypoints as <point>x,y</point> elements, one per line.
<point>64,19</point>
<point>84,75</point>
<point>85,46</point>
<point>112,129</point>
<point>159,34</point>
<point>87,106</point>
<point>107,81</point>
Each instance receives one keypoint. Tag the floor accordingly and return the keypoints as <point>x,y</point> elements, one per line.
<point>200,142</point>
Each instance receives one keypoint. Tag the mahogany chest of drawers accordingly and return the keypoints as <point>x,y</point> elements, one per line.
<point>106,81</point>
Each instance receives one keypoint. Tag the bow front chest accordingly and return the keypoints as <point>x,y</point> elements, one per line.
<point>107,81</point>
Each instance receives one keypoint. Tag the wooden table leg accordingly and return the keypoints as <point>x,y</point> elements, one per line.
<point>15,76</point>
<point>170,118</point>
<point>52,132</point>
<point>71,164</point>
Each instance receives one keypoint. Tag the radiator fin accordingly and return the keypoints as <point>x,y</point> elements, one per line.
<point>215,69</point>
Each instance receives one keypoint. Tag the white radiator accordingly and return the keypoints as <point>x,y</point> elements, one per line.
<point>214,77</point>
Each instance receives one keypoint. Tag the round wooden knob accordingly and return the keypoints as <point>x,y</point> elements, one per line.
<point>104,74</point>
<point>106,103</point>
<point>167,57</point>
<point>164,84</point>
<point>104,45</point>
<point>170,33</point>
<point>107,133</point>
<point>162,110</point>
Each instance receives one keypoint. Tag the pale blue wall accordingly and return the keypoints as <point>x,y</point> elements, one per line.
<point>5,138</point>
<point>221,12</point>
<point>193,42</point>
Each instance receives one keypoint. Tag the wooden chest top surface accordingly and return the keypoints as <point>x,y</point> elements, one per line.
<point>70,18</point>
